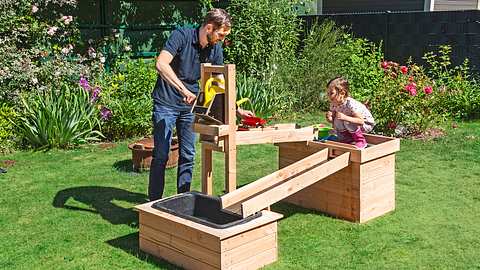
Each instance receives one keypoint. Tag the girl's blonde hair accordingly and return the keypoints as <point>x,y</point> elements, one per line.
<point>340,84</point>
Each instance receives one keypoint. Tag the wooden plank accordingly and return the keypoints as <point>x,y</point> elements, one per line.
<point>275,136</point>
<point>293,185</point>
<point>204,236</point>
<point>173,256</point>
<point>380,150</point>
<point>212,130</point>
<point>258,261</point>
<point>248,250</point>
<point>180,245</point>
<point>248,236</point>
<point>378,139</point>
<point>213,146</point>
<point>209,68</point>
<point>230,143</point>
<point>340,148</point>
<point>207,170</point>
<point>273,179</point>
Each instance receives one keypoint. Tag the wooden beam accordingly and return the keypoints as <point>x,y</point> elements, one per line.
<point>273,179</point>
<point>209,68</point>
<point>230,144</point>
<point>212,130</point>
<point>275,136</point>
<point>207,162</point>
<point>294,185</point>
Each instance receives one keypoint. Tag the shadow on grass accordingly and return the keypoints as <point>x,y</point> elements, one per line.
<point>129,244</point>
<point>102,200</point>
<point>288,209</point>
<point>124,165</point>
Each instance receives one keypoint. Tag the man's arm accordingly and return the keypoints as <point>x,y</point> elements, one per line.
<point>165,70</point>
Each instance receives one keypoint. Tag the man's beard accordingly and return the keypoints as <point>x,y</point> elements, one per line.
<point>210,40</point>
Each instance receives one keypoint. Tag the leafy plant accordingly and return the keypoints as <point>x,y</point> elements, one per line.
<point>59,119</point>
<point>459,91</point>
<point>7,132</point>
<point>126,92</point>
<point>264,33</point>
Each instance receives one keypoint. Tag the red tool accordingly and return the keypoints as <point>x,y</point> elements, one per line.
<point>252,122</point>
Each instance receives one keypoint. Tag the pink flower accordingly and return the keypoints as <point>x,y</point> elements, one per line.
<point>428,90</point>
<point>67,19</point>
<point>105,113</point>
<point>384,64</point>
<point>34,9</point>
<point>411,88</point>
<point>392,125</point>
<point>404,69</point>
<point>52,30</point>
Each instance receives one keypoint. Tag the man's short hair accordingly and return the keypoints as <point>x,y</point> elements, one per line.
<point>218,18</point>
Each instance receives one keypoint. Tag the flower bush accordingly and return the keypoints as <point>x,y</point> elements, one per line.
<point>404,104</point>
<point>127,99</point>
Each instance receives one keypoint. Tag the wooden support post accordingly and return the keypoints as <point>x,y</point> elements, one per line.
<point>230,120</point>
<point>207,161</point>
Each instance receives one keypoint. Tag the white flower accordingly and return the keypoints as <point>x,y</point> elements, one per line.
<point>52,30</point>
<point>117,35</point>
<point>67,19</point>
<point>128,48</point>
<point>34,9</point>
<point>34,80</point>
<point>65,50</point>
<point>102,59</point>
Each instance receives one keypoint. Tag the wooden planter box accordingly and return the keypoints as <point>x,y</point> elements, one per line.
<point>363,190</point>
<point>191,245</point>
<point>142,154</point>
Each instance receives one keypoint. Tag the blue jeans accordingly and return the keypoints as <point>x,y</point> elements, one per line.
<point>164,121</point>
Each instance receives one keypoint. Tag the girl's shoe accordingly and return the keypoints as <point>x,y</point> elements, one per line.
<point>359,139</point>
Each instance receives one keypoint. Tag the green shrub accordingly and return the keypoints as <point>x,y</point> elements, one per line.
<point>264,100</point>
<point>7,132</point>
<point>459,91</point>
<point>127,93</point>
<point>59,119</point>
<point>264,33</point>
<point>404,103</point>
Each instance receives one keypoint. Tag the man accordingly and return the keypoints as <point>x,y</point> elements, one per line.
<point>178,66</point>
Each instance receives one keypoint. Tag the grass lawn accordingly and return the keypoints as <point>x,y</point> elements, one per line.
<point>73,210</point>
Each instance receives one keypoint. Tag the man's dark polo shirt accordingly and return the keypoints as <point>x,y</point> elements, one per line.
<point>184,45</point>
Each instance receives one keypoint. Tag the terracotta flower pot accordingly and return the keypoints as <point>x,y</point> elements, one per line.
<point>142,154</point>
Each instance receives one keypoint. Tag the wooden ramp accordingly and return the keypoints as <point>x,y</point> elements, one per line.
<point>272,188</point>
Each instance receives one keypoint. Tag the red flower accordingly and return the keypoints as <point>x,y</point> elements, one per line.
<point>411,88</point>
<point>428,90</point>
<point>384,64</point>
<point>404,69</point>
<point>392,125</point>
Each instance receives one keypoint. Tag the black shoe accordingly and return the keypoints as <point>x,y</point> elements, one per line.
<point>184,188</point>
<point>2,170</point>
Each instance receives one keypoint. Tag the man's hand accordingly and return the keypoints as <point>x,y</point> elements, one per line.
<point>188,97</point>
<point>244,113</point>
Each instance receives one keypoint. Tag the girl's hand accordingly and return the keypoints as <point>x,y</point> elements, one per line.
<point>341,116</point>
<point>329,116</point>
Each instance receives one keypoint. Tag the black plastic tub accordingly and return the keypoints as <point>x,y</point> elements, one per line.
<point>202,209</point>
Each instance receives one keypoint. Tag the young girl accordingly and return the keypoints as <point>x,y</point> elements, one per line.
<point>350,118</point>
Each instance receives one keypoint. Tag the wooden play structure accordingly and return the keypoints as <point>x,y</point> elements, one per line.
<point>237,230</point>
